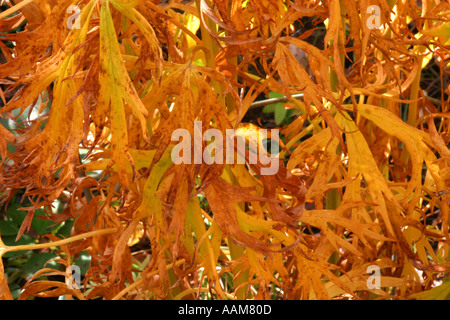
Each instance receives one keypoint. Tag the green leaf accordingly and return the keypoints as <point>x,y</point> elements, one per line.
<point>273,94</point>
<point>83,261</point>
<point>280,113</point>
<point>270,108</point>
<point>276,108</point>
<point>66,228</point>
<point>41,226</point>
<point>15,290</point>
<point>37,262</point>
<point>15,215</point>
<point>7,228</point>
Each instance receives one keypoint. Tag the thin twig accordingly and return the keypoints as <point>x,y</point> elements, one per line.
<point>434,100</point>
<point>262,103</point>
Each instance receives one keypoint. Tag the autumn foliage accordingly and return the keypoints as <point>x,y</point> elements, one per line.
<point>364,163</point>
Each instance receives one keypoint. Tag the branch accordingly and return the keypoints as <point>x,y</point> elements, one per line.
<point>4,249</point>
<point>261,103</point>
